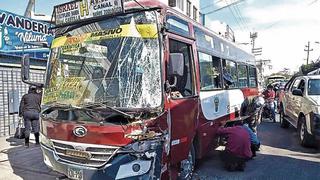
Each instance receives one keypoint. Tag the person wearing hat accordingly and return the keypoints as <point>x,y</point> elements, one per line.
<point>29,109</point>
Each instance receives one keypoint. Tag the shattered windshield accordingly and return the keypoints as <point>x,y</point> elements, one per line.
<point>115,62</point>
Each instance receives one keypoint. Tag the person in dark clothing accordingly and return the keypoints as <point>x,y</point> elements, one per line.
<point>238,147</point>
<point>29,109</point>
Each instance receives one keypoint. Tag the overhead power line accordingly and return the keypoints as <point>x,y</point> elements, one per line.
<point>210,5</point>
<point>216,10</point>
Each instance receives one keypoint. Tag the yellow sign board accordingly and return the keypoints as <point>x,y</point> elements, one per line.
<point>140,30</point>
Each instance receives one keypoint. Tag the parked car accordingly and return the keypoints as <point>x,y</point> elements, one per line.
<point>300,107</point>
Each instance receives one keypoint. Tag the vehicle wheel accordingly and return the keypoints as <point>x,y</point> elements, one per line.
<point>306,139</point>
<point>283,123</point>
<point>187,165</point>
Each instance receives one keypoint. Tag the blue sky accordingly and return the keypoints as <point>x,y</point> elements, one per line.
<point>19,6</point>
<point>284,26</point>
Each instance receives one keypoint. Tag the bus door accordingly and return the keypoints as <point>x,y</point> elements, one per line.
<point>184,101</point>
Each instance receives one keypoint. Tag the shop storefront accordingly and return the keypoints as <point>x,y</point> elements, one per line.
<point>18,36</point>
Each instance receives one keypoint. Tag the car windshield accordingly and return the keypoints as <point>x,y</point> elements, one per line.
<point>314,87</point>
<point>115,62</point>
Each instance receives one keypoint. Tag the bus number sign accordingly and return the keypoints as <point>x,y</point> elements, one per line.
<point>77,10</point>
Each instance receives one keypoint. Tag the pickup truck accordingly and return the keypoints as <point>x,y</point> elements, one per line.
<point>300,107</point>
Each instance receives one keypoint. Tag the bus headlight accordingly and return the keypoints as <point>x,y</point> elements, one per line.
<point>45,141</point>
<point>141,146</point>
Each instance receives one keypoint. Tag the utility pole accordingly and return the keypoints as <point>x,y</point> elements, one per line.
<point>308,51</point>
<point>253,37</point>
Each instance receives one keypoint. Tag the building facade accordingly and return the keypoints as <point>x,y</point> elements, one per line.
<point>19,35</point>
<point>190,8</point>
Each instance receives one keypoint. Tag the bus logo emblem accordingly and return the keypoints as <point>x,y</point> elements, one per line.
<point>216,104</point>
<point>80,131</point>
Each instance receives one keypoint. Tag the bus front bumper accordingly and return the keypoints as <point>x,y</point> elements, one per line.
<point>124,166</point>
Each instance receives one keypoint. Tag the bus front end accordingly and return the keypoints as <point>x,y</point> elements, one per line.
<point>103,100</point>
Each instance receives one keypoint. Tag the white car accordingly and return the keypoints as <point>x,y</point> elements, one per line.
<point>300,107</point>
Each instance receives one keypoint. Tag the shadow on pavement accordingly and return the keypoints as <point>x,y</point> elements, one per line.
<point>27,163</point>
<point>262,167</point>
<point>271,134</point>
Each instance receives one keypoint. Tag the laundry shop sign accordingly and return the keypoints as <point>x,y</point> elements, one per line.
<point>17,33</point>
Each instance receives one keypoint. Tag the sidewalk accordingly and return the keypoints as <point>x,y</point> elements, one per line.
<point>18,162</point>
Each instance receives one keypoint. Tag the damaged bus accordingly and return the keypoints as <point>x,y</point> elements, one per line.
<point>136,91</point>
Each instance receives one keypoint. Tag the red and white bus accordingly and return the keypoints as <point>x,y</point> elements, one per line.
<point>138,93</point>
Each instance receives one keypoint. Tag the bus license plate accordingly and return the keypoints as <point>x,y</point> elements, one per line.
<point>74,173</point>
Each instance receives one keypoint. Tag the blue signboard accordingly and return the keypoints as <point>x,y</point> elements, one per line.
<point>19,35</point>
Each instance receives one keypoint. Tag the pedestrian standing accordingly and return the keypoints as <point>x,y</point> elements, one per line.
<point>237,150</point>
<point>30,109</point>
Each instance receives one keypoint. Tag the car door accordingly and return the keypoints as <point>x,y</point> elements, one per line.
<point>290,102</point>
<point>297,102</point>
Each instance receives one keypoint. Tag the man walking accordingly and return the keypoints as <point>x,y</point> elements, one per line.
<point>30,109</point>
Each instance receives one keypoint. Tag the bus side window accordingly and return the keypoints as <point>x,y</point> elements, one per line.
<point>252,77</point>
<point>230,75</point>
<point>210,72</point>
<point>243,75</point>
<point>184,85</point>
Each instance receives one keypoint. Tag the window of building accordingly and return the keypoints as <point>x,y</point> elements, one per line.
<point>184,84</point>
<point>210,72</point>
<point>180,4</point>
<point>230,75</point>
<point>195,13</point>
<point>243,76</point>
<point>252,77</point>
<point>188,8</point>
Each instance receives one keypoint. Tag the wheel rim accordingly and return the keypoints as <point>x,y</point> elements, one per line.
<point>187,167</point>
<point>302,131</point>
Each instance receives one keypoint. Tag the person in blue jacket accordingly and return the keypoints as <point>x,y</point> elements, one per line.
<point>255,143</point>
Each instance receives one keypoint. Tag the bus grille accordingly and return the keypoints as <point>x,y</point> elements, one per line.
<point>99,154</point>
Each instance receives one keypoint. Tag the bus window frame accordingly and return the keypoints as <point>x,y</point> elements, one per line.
<point>190,43</point>
<point>236,65</point>
<point>220,71</point>
<point>256,76</point>
<point>247,70</point>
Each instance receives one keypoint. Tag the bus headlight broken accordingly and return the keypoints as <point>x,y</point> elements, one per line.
<point>144,146</point>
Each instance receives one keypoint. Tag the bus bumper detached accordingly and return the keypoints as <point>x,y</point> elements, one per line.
<point>121,166</point>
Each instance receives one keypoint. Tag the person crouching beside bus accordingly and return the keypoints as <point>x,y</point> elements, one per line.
<point>238,147</point>
<point>30,109</point>
<point>255,143</point>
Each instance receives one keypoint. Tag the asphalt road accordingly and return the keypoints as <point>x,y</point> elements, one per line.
<point>281,157</point>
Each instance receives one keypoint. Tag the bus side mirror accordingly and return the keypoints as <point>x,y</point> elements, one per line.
<point>175,68</point>
<point>25,71</point>
<point>25,68</point>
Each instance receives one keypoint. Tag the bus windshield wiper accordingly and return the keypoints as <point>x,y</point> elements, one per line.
<point>103,105</point>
